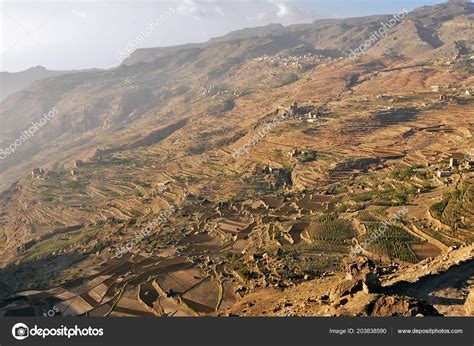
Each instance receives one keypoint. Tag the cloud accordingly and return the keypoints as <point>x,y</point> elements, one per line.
<point>188,7</point>
<point>287,11</point>
<point>283,10</point>
<point>199,10</point>
<point>218,10</point>
<point>279,11</point>
<point>79,14</point>
<point>254,12</point>
<point>256,17</point>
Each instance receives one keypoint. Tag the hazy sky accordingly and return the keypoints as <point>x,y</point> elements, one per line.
<point>85,34</point>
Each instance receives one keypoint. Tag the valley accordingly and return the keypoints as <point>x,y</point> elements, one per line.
<point>248,176</point>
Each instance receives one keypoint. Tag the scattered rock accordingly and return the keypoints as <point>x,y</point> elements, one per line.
<point>78,163</point>
<point>324,298</point>
<point>37,173</point>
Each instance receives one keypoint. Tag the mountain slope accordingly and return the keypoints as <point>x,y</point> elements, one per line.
<point>120,97</point>
<point>11,83</point>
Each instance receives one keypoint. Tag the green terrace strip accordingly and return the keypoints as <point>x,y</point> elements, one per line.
<point>61,242</point>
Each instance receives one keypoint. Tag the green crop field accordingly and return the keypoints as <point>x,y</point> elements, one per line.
<point>330,229</point>
<point>391,241</point>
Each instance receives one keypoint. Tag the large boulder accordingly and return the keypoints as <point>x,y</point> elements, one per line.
<point>386,306</point>
<point>345,288</point>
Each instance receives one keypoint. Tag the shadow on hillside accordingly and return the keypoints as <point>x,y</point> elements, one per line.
<point>429,287</point>
<point>391,117</point>
<point>38,275</point>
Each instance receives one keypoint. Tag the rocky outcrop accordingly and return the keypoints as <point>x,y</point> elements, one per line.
<point>469,304</point>
<point>386,306</point>
<point>360,276</point>
<point>347,287</point>
<point>431,267</point>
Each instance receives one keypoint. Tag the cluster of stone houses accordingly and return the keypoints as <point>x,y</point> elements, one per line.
<point>298,61</point>
<point>462,91</point>
<point>307,155</point>
<point>457,161</point>
<point>214,91</point>
<point>296,111</point>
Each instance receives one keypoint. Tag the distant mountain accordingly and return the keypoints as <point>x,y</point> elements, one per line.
<point>261,31</point>
<point>156,86</point>
<point>150,54</point>
<point>16,81</point>
<point>443,30</point>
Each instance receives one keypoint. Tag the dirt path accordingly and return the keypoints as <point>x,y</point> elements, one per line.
<point>429,238</point>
